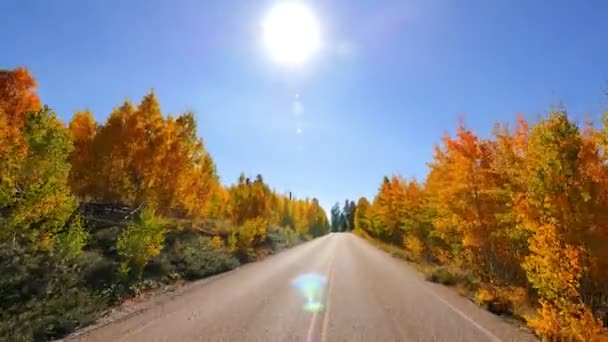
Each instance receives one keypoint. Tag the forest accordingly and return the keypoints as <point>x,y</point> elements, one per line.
<point>519,221</point>
<point>93,213</point>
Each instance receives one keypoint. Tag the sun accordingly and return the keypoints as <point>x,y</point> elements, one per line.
<point>291,33</point>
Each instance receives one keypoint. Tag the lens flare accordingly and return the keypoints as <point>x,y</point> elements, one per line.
<point>311,287</point>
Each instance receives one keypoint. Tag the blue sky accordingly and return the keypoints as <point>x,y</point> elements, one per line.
<point>392,77</point>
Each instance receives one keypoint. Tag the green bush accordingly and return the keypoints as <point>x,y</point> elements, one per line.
<point>160,269</point>
<point>276,239</point>
<point>199,263</point>
<point>139,242</point>
<point>42,297</point>
<point>98,272</point>
<point>105,240</point>
<point>193,256</point>
<point>468,280</point>
<point>442,276</point>
<point>52,317</point>
<point>281,238</point>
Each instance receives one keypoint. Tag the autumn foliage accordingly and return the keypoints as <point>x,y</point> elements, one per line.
<point>139,159</point>
<point>140,156</point>
<point>525,212</point>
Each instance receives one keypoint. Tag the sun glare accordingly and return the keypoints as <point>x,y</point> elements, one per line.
<point>291,33</point>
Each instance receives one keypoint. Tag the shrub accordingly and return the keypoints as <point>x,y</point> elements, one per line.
<point>574,323</point>
<point>291,237</point>
<point>217,226</point>
<point>199,263</point>
<point>217,242</point>
<point>468,281</point>
<point>194,256</point>
<point>242,241</point>
<point>140,242</point>
<point>281,238</point>
<point>490,300</point>
<point>98,272</point>
<point>105,239</point>
<point>160,268</point>
<point>41,296</point>
<point>414,245</point>
<point>442,276</point>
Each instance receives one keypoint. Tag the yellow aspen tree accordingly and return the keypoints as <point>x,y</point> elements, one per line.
<point>466,206</point>
<point>510,241</point>
<point>113,158</point>
<point>82,174</point>
<point>17,98</point>
<point>558,210</point>
<point>362,213</point>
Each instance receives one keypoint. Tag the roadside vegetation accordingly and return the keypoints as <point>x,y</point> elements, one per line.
<point>91,214</point>
<point>518,222</point>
